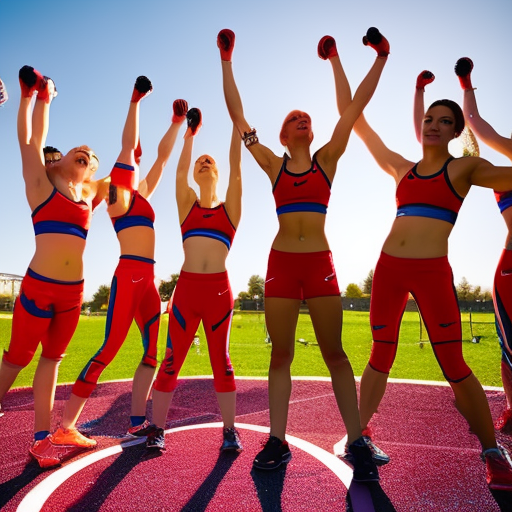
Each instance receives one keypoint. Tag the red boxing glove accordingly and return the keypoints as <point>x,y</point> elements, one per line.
<point>424,78</point>
<point>226,43</point>
<point>44,93</point>
<point>463,69</point>
<point>327,48</point>
<point>377,41</point>
<point>30,81</point>
<point>179,111</point>
<point>194,120</point>
<point>142,88</point>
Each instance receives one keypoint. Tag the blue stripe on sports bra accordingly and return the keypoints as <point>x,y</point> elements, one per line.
<point>427,210</point>
<point>210,233</point>
<point>505,203</point>
<point>57,226</point>
<point>126,167</point>
<point>130,222</point>
<point>302,207</point>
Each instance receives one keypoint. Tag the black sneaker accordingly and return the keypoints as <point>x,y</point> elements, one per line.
<point>156,439</point>
<point>231,440</point>
<point>365,469</point>
<point>379,457</point>
<point>274,454</point>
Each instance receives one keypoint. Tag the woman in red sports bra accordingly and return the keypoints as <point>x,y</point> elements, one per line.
<point>414,260</point>
<point>47,309</point>
<point>300,263</point>
<point>203,292</point>
<point>502,289</point>
<point>133,294</point>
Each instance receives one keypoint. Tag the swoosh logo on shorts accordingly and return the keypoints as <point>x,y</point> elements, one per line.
<point>446,325</point>
<point>269,279</point>
<point>378,327</point>
<point>506,273</point>
<point>330,278</point>
<point>222,293</point>
<point>137,281</point>
<point>299,183</point>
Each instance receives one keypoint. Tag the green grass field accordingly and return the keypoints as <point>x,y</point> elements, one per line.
<point>250,353</point>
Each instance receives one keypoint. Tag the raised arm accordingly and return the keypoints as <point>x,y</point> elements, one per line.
<point>424,78</point>
<point>329,154</point>
<point>234,193</point>
<point>185,194</point>
<point>32,129</point>
<point>482,128</point>
<point>265,158</point>
<point>148,185</point>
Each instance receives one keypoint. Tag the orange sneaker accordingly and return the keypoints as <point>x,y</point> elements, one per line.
<point>71,437</point>
<point>46,454</point>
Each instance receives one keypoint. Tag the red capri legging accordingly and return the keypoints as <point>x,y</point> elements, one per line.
<point>133,295</point>
<point>45,311</point>
<point>300,275</point>
<point>502,295</point>
<point>199,297</point>
<point>430,281</point>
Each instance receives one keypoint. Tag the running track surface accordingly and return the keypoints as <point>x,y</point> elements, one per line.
<point>435,464</point>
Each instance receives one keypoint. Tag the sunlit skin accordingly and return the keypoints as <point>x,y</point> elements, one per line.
<point>422,237</point>
<point>303,232</point>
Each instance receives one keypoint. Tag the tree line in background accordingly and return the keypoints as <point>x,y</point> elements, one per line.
<point>256,288</point>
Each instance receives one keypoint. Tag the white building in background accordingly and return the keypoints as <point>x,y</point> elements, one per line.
<point>9,290</point>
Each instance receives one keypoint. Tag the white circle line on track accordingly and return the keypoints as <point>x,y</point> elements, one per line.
<point>37,497</point>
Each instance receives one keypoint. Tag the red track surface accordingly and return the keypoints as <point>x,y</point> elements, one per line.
<point>435,463</point>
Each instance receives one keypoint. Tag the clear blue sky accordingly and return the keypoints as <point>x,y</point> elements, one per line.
<point>94,50</point>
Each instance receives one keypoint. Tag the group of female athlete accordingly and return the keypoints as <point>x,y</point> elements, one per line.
<point>62,194</point>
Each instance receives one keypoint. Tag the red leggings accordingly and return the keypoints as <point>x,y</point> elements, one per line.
<point>197,297</point>
<point>45,311</point>
<point>502,295</point>
<point>430,281</point>
<point>132,295</point>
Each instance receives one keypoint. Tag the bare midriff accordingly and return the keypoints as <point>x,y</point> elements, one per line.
<point>418,237</point>
<point>301,232</point>
<point>59,256</point>
<point>137,241</point>
<point>204,255</point>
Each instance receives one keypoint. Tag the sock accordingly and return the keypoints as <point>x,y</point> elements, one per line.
<point>39,436</point>
<point>137,420</point>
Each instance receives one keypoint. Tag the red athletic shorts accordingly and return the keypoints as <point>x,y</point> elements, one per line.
<point>300,275</point>
<point>502,295</point>
<point>45,311</point>
<point>430,281</point>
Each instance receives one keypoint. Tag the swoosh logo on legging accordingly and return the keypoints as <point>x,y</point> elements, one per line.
<point>377,327</point>
<point>447,325</point>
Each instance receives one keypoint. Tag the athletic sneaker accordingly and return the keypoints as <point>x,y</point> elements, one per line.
<point>140,430</point>
<point>71,437</point>
<point>365,469</point>
<point>504,423</point>
<point>46,454</point>
<point>274,454</point>
<point>156,438</point>
<point>379,457</point>
<point>231,440</point>
<point>498,469</point>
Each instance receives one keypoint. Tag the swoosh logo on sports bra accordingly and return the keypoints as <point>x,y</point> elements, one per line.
<point>207,215</point>
<point>299,183</point>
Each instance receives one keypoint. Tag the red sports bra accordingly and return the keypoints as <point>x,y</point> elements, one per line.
<point>59,214</point>
<point>430,196</point>
<point>210,222</point>
<point>308,191</point>
<point>140,213</point>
